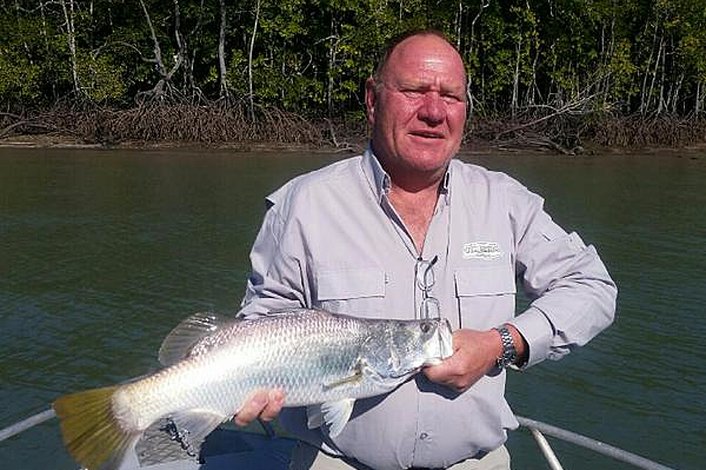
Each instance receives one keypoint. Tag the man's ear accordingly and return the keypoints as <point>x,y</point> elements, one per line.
<point>370,99</point>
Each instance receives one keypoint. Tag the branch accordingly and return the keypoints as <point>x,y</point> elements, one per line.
<point>568,108</point>
<point>157,49</point>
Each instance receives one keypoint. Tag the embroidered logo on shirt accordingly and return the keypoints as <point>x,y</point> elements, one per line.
<point>482,250</point>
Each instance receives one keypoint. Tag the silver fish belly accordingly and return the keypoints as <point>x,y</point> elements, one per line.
<point>214,364</point>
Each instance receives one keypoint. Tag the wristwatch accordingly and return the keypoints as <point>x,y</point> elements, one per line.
<point>509,354</point>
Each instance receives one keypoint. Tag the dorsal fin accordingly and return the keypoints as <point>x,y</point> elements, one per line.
<point>288,311</point>
<point>296,311</point>
<point>180,341</point>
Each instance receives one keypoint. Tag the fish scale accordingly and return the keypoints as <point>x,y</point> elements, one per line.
<point>213,365</point>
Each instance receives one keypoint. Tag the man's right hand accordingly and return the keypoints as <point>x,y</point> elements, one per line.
<point>263,404</point>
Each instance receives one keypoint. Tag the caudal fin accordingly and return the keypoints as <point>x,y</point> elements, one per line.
<point>91,432</point>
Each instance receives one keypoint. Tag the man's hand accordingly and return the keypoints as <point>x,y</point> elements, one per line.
<point>263,404</point>
<point>475,353</point>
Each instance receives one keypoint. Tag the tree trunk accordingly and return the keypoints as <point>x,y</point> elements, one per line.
<point>71,39</point>
<point>459,17</point>
<point>516,79</point>
<point>165,77</point>
<point>182,52</point>
<point>471,50</point>
<point>647,94</point>
<point>674,95</point>
<point>697,106</point>
<point>644,95</point>
<point>333,47</point>
<point>45,35</point>
<point>222,71</point>
<point>660,58</point>
<point>182,47</point>
<point>607,53</point>
<point>251,96</point>
<point>533,89</point>
<point>155,43</point>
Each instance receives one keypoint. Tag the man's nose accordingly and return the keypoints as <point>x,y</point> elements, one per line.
<point>432,110</point>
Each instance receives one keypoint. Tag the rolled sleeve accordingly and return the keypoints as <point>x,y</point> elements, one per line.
<point>573,296</point>
<point>535,328</point>
<point>276,279</point>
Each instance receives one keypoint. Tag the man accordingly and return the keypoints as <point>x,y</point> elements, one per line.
<point>405,231</point>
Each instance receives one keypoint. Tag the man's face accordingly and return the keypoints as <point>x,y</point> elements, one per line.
<point>418,108</point>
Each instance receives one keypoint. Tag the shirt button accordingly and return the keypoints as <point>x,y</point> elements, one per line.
<point>423,436</point>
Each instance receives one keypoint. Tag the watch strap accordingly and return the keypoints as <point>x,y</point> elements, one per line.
<point>509,353</point>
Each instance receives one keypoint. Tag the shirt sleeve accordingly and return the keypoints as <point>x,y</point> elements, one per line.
<point>276,278</point>
<point>573,296</point>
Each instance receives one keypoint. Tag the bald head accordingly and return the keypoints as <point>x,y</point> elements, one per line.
<point>403,39</point>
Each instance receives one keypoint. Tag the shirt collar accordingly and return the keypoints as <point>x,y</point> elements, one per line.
<point>377,177</point>
<point>380,181</point>
<point>444,188</point>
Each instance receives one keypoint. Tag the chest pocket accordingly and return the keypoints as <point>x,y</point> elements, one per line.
<point>485,294</point>
<point>357,291</point>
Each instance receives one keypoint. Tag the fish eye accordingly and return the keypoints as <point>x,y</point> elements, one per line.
<point>425,326</point>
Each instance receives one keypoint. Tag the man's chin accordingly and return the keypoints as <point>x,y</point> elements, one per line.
<point>428,160</point>
<point>426,171</point>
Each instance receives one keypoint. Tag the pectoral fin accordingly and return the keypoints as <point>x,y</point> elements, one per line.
<point>335,414</point>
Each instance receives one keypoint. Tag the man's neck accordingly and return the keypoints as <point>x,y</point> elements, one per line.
<point>416,209</point>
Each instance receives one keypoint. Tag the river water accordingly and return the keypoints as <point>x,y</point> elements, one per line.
<point>103,252</point>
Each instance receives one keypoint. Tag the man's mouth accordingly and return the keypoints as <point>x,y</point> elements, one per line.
<point>427,134</point>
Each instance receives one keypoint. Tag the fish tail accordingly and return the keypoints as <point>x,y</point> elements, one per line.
<point>91,431</point>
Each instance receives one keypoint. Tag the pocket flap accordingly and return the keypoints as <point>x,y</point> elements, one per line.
<point>351,283</point>
<point>485,280</point>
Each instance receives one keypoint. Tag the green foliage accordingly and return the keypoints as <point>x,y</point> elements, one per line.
<point>622,70</point>
<point>19,79</point>
<point>30,59</point>
<point>313,56</point>
<point>101,80</point>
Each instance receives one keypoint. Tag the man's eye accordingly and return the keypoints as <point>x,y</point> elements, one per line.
<point>413,93</point>
<point>451,98</point>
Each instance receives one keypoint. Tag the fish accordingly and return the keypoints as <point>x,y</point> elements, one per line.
<point>212,364</point>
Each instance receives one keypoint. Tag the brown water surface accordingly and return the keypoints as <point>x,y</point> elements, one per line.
<point>103,252</point>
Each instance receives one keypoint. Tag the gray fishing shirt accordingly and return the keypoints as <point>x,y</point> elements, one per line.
<point>331,239</point>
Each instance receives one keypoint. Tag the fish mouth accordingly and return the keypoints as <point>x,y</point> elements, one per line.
<point>434,361</point>
<point>445,339</point>
<point>443,347</point>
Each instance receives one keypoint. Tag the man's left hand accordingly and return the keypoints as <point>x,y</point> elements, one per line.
<point>475,354</point>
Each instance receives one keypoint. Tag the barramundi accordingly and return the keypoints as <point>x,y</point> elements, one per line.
<point>213,364</point>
